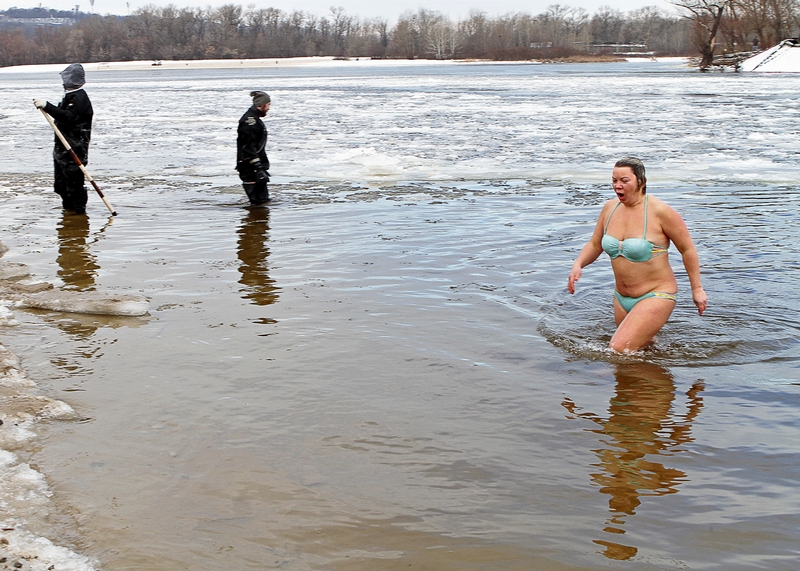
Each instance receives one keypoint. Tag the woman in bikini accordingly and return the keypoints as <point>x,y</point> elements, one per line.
<point>635,231</point>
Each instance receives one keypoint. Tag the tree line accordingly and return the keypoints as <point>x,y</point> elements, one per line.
<point>229,31</point>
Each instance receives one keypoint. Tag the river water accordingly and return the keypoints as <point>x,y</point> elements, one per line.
<point>383,369</point>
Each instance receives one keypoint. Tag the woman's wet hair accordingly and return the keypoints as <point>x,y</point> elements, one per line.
<point>637,167</point>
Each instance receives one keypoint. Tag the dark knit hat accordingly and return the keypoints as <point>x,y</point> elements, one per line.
<point>73,76</point>
<point>259,98</point>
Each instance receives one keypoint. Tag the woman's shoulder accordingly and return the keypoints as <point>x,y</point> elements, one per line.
<point>663,211</point>
<point>656,204</point>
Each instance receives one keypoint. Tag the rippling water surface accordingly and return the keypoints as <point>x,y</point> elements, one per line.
<point>383,369</point>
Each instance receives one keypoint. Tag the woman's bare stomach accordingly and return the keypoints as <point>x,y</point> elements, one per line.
<point>634,279</point>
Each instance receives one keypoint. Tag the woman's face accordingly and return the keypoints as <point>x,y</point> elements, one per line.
<point>625,184</point>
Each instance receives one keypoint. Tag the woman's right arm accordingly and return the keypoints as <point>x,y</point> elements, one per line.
<point>590,252</point>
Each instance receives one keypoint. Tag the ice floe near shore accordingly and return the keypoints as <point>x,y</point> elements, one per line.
<point>85,302</point>
<point>24,493</point>
<point>42,295</point>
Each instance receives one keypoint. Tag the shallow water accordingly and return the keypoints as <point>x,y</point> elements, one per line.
<point>383,369</point>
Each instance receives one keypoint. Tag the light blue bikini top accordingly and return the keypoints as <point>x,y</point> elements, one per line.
<point>632,249</point>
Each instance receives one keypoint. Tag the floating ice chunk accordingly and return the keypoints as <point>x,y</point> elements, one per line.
<point>57,409</point>
<point>12,270</point>
<point>95,303</point>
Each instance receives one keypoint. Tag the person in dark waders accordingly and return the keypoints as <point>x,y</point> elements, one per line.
<point>251,156</point>
<point>73,117</point>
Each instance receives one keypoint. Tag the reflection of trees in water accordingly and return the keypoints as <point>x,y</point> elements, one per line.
<point>640,427</point>
<point>77,265</point>
<point>253,252</point>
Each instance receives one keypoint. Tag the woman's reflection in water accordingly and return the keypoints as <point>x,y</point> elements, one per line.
<point>77,265</point>
<point>253,253</point>
<point>641,426</point>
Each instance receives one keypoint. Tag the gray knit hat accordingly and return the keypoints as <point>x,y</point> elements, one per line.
<point>73,76</point>
<point>259,98</point>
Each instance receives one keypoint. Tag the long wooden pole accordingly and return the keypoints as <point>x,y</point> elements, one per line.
<point>78,161</point>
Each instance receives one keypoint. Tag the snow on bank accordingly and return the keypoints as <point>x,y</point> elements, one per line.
<point>782,58</point>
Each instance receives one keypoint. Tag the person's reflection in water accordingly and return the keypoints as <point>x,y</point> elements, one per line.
<point>641,426</point>
<point>253,253</point>
<point>77,269</point>
<point>77,265</point>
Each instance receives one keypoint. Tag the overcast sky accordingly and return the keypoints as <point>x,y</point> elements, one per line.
<point>389,10</point>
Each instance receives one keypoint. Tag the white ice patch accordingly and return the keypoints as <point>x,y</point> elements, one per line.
<point>13,433</point>
<point>37,553</point>
<point>7,458</point>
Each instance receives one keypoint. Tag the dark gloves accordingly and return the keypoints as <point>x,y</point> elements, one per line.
<point>261,172</point>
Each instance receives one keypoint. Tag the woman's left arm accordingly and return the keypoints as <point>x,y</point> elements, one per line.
<point>675,229</point>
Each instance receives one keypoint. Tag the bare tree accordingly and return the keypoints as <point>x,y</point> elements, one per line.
<point>443,39</point>
<point>403,42</point>
<point>606,25</point>
<point>706,15</point>
<point>341,29</point>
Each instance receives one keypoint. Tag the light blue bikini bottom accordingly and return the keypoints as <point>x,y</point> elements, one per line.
<point>627,303</point>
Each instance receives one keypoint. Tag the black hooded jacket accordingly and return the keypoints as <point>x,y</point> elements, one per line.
<point>73,117</point>
<point>251,142</point>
